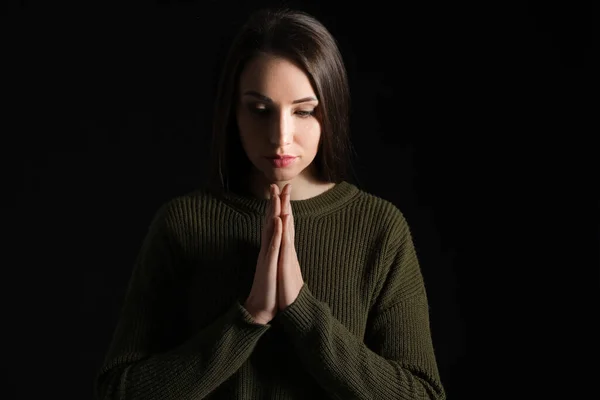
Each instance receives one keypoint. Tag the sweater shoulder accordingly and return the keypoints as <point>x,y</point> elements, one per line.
<point>388,214</point>
<point>390,225</point>
<point>187,205</point>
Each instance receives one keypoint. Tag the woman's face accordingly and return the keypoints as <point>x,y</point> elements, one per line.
<point>275,116</point>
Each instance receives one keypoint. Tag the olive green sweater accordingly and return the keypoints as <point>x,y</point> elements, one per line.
<point>359,328</point>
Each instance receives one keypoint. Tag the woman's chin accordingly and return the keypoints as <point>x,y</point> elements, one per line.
<point>279,174</point>
<point>280,178</point>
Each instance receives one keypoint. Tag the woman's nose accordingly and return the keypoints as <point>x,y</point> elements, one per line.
<point>281,129</point>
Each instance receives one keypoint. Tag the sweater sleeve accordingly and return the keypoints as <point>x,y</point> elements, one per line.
<point>144,359</point>
<point>396,359</point>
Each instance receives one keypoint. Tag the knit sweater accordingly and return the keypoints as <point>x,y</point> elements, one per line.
<point>359,328</point>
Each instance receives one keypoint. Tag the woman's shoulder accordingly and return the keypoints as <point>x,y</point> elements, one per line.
<point>388,213</point>
<point>184,207</point>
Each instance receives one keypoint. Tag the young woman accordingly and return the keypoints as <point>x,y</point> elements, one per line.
<point>280,279</point>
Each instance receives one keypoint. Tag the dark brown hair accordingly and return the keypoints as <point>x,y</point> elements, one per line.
<point>301,38</point>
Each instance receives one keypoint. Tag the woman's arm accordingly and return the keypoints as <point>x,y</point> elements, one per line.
<point>396,360</point>
<point>142,362</point>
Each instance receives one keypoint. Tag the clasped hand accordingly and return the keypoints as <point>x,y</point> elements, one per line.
<point>278,278</point>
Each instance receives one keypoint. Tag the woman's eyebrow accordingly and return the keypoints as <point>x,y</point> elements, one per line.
<point>269,100</point>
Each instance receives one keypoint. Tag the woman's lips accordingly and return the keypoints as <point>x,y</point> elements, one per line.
<point>281,162</point>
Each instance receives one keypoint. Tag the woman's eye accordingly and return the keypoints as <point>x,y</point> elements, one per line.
<point>263,111</point>
<point>259,111</point>
<point>305,114</point>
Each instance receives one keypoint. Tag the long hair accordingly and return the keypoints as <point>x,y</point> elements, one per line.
<point>301,38</point>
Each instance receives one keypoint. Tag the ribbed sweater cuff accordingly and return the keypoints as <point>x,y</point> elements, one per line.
<point>300,317</point>
<point>246,318</point>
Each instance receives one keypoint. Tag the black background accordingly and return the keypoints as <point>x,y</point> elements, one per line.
<point>474,118</point>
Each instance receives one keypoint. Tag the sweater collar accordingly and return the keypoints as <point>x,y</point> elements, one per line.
<point>328,201</point>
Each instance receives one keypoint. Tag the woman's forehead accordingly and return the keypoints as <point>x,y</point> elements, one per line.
<point>275,78</point>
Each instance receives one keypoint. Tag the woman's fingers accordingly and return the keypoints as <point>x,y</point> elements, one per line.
<point>277,203</point>
<point>262,300</point>
<point>275,243</point>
